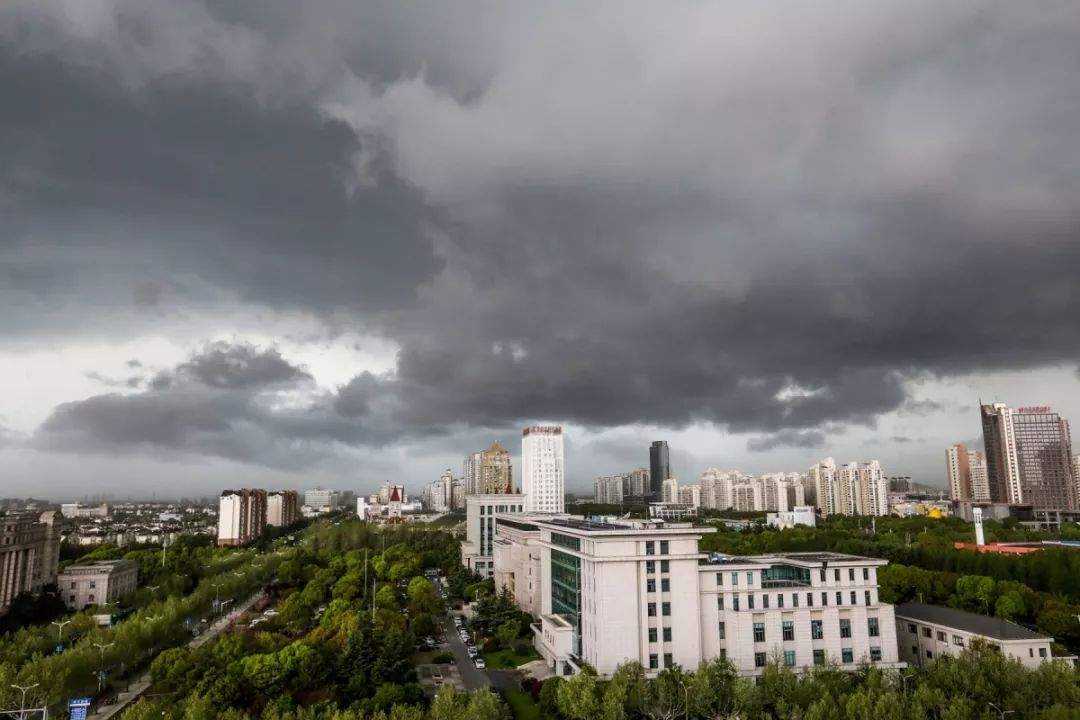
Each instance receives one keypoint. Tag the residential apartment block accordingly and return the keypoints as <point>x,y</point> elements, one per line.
<point>608,592</point>
<point>850,489</point>
<point>282,508</point>
<point>241,516</point>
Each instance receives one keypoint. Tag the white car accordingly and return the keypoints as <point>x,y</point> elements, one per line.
<point>480,664</point>
<point>473,652</point>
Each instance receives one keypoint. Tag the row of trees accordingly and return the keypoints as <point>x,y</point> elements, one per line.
<point>978,685</point>
<point>352,602</point>
<point>89,651</point>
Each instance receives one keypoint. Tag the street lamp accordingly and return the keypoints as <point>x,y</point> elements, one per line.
<point>101,662</point>
<point>22,703</point>
<point>1001,713</point>
<point>60,629</point>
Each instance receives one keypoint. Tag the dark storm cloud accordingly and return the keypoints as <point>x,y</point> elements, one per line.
<point>103,185</point>
<point>771,225</point>
<point>231,401</point>
<point>786,438</point>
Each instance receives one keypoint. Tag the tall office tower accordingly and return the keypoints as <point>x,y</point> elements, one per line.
<point>1029,454</point>
<point>542,471</point>
<point>496,473</point>
<point>823,478</point>
<point>1002,471</point>
<point>470,479</point>
<point>958,470</point>
<point>873,489</point>
<point>659,467</point>
<point>282,508</point>
<point>241,516</point>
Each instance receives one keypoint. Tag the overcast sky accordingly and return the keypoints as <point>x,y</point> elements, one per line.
<point>345,242</point>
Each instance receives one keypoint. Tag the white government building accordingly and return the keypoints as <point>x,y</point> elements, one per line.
<point>611,591</point>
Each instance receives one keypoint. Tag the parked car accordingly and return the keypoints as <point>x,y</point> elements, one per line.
<point>480,664</point>
<point>473,652</point>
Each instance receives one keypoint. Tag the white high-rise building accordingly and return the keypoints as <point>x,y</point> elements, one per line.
<point>471,478</point>
<point>669,490</point>
<point>690,495</point>
<point>851,489</point>
<point>823,478</point>
<point>873,489</point>
<point>608,490</point>
<point>543,481</point>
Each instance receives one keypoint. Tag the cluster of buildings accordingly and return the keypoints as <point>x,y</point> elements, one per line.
<point>243,515</point>
<point>1026,462</point>
<point>607,590</point>
<point>850,489</point>
<point>135,523</point>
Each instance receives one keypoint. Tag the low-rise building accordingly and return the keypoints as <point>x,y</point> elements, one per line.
<point>925,633</point>
<point>612,591</point>
<point>800,515</point>
<point>97,583</point>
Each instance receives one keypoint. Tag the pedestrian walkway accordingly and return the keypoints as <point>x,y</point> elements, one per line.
<point>136,689</point>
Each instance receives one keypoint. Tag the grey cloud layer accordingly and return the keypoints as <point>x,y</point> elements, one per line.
<point>763,217</point>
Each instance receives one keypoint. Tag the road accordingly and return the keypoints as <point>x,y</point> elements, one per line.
<point>140,686</point>
<point>472,678</point>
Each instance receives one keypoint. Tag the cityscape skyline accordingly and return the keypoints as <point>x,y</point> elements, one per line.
<point>379,265</point>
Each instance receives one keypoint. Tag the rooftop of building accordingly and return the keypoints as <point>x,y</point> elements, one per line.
<point>809,559</point>
<point>619,525</point>
<point>991,627</point>
<point>102,565</point>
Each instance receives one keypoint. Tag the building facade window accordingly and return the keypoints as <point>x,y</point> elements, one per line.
<point>652,635</point>
<point>650,566</point>
<point>654,661</point>
<point>780,600</point>
<point>734,602</point>
<point>957,641</point>
<point>765,602</point>
<point>650,548</point>
<point>667,634</point>
<point>664,547</point>
<point>665,585</point>
<point>819,657</point>
<point>789,658</point>
<point>723,632</point>
<point>759,659</point>
<point>750,601</point>
<point>875,653</point>
<point>650,585</point>
<point>664,566</point>
<point>651,609</point>
<point>872,628</point>
<point>719,602</point>
<point>665,609</point>
<point>866,596</point>
<point>789,630</point>
<point>866,573</point>
<point>845,628</point>
<point>759,632</point>
<point>847,656</point>
<point>668,662</point>
<point>816,630</point>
